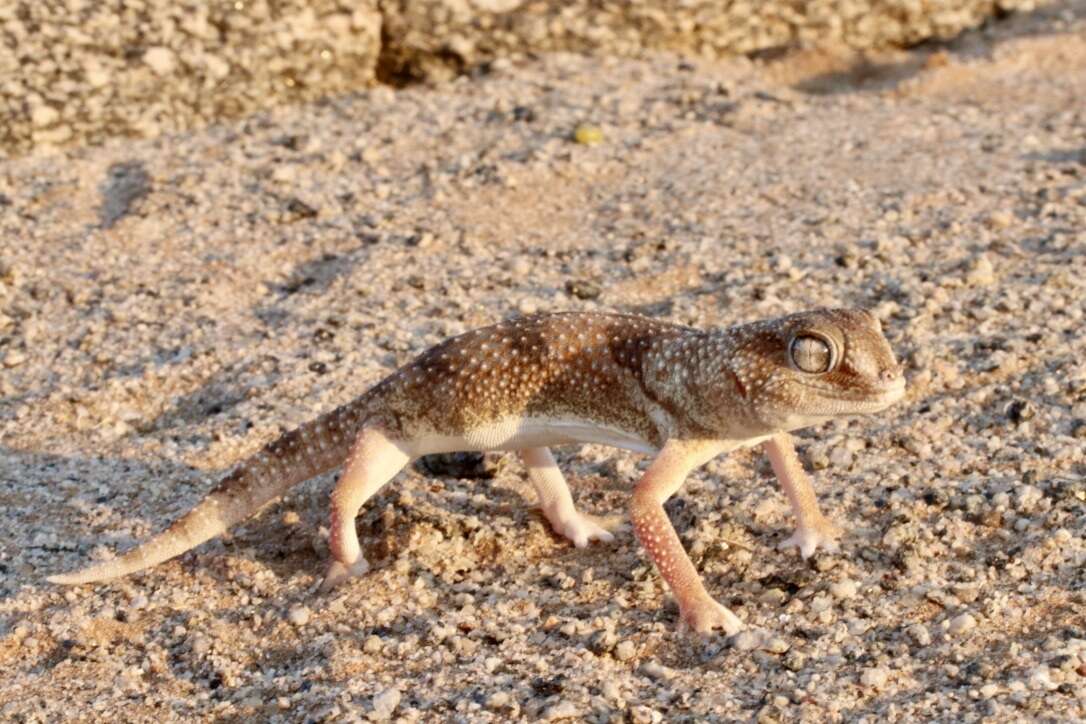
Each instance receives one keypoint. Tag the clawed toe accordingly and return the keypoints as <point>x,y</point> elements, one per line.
<point>338,572</point>
<point>707,617</point>
<point>581,529</point>
<point>810,539</point>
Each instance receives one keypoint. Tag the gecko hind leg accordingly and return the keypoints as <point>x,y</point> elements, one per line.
<point>374,460</point>
<point>556,501</point>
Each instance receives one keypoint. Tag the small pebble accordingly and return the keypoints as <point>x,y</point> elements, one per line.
<point>920,634</point>
<point>981,272</point>
<point>561,710</point>
<point>776,645</point>
<point>588,135</point>
<point>961,624</point>
<point>200,645</point>
<point>747,640</point>
<point>625,651</point>
<point>874,677</point>
<point>298,615</point>
<point>844,589</point>
<point>656,670</point>
<point>161,60</point>
<point>1000,219</point>
<point>1040,678</point>
<point>385,703</point>
<point>498,700</point>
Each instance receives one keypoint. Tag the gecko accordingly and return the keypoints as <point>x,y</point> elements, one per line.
<point>684,395</point>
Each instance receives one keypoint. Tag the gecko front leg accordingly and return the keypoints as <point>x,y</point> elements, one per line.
<point>813,530</point>
<point>556,501</point>
<point>663,478</point>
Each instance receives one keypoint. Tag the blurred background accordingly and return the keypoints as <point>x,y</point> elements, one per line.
<point>77,72</point>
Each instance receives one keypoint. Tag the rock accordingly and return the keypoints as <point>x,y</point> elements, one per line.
<point>1040,678</point>
<point>298,615</point>
<point>583,289</point>
<point>160,60</point>
<point>1021,410</point>
<point>498,700</point>
<point>642,714</point>
<point>1001,219</point>
<point>747,640</point>
<point>602,642</point>
<point>981,272</point>
<point>588,135</point>
<point>199,644</point>
<point>656,670</point>
<point>44,116</point>
<point>385,703</point>
<point>1078,429</point>
<point>920,634</point>
<point>625,651</point>
<point>125,184</point>
<point>874,677</point>
<point>961,624</point>
<point>561,710</point>
<point>844,589</point>
<point>434,39</point>
<point>776,645</point>
<point>142,68</point>
<point>795,660</point>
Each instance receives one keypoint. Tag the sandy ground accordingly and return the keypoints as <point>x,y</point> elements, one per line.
<point>168,306</point>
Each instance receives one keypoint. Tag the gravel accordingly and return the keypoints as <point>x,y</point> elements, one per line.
<point>143,358</point>
<point>75,72</point>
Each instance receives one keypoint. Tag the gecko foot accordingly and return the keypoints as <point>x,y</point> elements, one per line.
<point>578,527</point>
<point>338,572</point>
<point>707,616</point>
<point>808,539</point>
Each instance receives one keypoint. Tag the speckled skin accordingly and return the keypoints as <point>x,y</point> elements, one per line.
<point>655,379</point>
<point>524,384</point>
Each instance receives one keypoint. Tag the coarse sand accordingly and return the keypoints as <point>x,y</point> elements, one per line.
<point>167,306</point>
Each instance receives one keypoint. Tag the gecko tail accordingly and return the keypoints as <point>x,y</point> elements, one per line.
<point>202,523</point>
<point>297,456</point>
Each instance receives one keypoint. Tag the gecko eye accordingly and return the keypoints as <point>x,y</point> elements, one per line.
<point>811,354</point>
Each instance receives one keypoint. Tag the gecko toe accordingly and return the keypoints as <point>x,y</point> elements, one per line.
<point>809,540</point>
<point>580,529</point>
<point>709,617</point>
<point>338,572</point>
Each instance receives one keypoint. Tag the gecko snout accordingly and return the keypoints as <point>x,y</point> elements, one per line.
<point>894,380</point>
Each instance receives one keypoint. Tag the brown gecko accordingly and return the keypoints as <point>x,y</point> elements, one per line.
<point>683,394</point>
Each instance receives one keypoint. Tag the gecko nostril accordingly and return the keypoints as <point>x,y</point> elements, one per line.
<point>890,374</point>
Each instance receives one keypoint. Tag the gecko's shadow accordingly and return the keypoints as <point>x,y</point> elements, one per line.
<point>60,507</point>
<point>63,506</point>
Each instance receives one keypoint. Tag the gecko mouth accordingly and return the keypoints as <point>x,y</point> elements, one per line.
<point>873,399</point>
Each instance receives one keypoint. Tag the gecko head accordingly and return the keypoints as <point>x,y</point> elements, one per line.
<point>807,367</point>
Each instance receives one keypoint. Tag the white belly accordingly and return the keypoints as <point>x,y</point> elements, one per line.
<point>515,433</point>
